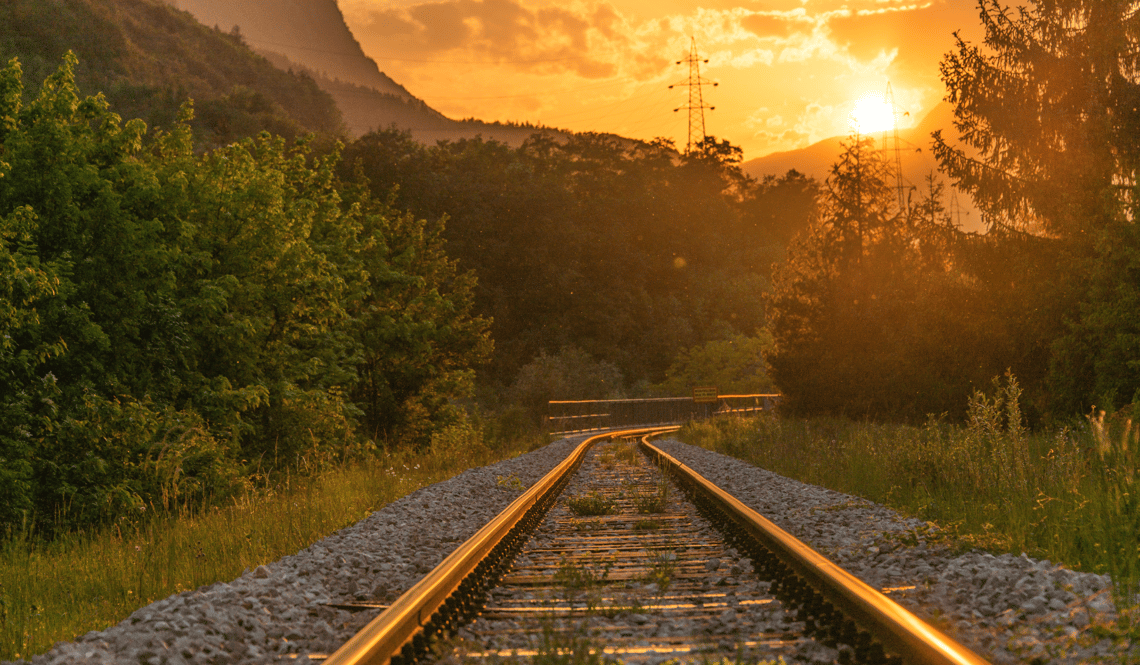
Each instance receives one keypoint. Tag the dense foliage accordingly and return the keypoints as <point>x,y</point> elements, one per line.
<point>1048,112</point>
<point>895,313</point>
<point>626,251</point>
<point>173,321</point>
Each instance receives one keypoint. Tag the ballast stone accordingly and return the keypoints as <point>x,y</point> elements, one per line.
<point>1003,607</point>
<point>977,593</point>
<point>279,608</point>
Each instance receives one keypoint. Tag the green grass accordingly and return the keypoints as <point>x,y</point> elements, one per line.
<point>592,504</point>
<point>661,570</point>
<point>649,503</point>
<point>1070,495</point>
<point>58,590</point>
<point>628,452</point>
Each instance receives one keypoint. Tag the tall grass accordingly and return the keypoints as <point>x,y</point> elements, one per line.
<point>60,589</point>
<point>1069,495</point>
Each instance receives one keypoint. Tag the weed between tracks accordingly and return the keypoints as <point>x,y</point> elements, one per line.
<point>648,503</point>
<point>627,452</point>
<point>661,570</point>
<point>591,505</point>
<point>647,525</point>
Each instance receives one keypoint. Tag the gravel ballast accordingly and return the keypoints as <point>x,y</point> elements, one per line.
<point>1008,608</point>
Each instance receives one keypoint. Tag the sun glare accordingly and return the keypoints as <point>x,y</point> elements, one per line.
<point>872,114</point>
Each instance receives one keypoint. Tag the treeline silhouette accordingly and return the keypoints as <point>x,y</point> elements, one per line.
<point>626,250</point>
<point>891,312</point>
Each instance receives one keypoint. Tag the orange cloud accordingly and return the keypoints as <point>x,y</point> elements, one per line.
<point>921,32</point>
<point>804,63</point>
<point>549,39</point>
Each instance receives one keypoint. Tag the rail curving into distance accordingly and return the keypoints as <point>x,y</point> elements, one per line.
<point>455,590</point>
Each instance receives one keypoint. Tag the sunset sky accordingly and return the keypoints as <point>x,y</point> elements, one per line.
<point>790,72</point>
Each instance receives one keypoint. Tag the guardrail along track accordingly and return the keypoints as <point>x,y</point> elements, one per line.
<point>624,565</point>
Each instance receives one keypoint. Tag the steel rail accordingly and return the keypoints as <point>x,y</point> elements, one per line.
<point>893,626</point>
<point>403,622</point>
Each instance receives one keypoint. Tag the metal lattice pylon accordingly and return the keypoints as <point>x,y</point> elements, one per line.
<point>696,105</point>
<point>897,165</point>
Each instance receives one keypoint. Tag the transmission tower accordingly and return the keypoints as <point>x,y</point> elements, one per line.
<point>897,149</point>
<point>696,105</point>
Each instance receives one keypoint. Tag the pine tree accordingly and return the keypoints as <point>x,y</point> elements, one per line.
<point>1049,111</point>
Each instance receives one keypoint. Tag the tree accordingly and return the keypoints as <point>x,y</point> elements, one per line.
<point>1049,111</point>
<point>851,308</point>
<point>626,250</point>
<point>171,320</point>
<point>734,366</point>
<point>780,207</point>
<point>419,337</point>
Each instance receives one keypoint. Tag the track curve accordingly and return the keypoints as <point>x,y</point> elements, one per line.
<point>830,607</point>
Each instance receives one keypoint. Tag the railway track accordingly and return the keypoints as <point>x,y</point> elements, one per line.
<point>611,556</point>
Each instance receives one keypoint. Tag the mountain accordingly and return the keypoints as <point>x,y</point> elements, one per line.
<point>312,36</point>
<point>311,33</point>
<point>148,58</point>
<point>915,156</point>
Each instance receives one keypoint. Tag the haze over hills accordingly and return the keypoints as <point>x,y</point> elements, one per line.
<point>311,35</point>
<point>308,32</point>
<point>915,156</point>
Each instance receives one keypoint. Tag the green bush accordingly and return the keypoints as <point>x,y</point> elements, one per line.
<point>171,322</point>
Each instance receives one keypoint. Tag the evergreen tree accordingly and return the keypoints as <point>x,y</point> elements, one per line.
<point>852,310</point>
<point>1049,111</point>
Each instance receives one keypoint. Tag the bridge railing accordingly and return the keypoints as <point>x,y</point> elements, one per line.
<point>576,416</point>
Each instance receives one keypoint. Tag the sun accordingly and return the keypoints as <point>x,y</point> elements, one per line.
<point>872,114</point>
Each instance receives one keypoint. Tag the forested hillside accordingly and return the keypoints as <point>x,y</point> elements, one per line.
<point>311,36</point>
<point>148,58</point>
<point>630,252</point>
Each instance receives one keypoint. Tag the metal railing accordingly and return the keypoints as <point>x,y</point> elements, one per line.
<point>575,416</point>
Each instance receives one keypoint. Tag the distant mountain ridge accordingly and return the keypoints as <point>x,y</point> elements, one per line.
<point>915,156</point>
<point>312,36</point>
<point>311,33</point>
<point>149,58</point>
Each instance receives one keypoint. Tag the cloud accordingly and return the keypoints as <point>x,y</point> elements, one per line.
<point>921,32</point>
<point>777,24</point>
<point>550,39</point>
<point>802,63</point>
